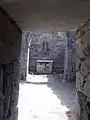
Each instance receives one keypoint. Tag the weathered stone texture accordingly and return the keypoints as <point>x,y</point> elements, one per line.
<point>83,69</point>
<point>10,89</point>
<point>71,51</point>
<point>10,48</point>
<point>1,93</point>
<point>24,54</point>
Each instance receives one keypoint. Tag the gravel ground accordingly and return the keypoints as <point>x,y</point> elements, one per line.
<point>45,97</point>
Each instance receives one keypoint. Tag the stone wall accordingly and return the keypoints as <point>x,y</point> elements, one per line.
<point>71,51</point>
<point>10,75</point>
<point>10,38</point>
<point>10,48</point>
<point>26,38</point>
<point>83,70</point>
<point>24,55</point>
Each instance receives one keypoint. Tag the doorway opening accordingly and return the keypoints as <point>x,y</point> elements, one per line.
<point>48,92</point>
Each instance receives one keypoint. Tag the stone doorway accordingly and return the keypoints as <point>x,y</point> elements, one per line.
<point>49,97</point>
<point>59,47</point>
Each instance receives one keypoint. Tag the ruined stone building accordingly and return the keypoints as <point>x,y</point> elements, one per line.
<point>19,16</point>
<point>51,46</point>
<point>47,46</point>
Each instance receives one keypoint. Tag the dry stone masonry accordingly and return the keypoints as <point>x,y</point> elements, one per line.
<point>71,51</point>
<point>10,48</point>
<point>24,54</point>
<point>83,69</point>
<point>10,87</point>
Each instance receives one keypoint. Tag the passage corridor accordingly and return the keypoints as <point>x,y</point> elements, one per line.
<point>45,97</point>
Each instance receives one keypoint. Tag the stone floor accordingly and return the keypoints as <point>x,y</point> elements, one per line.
<point>45,97</point>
